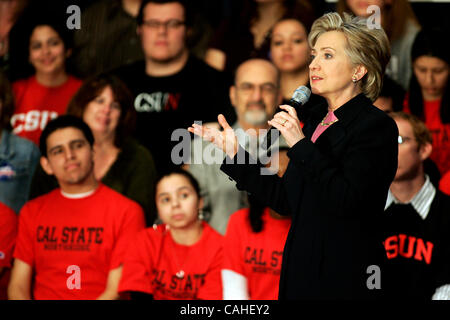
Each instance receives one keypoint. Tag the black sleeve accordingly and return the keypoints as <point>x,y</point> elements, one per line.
<point>268,189</point>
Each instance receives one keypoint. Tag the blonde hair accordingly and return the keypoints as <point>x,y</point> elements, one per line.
<point>366,47</point>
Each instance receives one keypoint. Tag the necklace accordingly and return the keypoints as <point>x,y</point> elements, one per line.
<point>323,123</point>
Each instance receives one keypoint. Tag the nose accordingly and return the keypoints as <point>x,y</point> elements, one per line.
<point>175,202</point>
<point>257,93</point>
<point>287,45</point>
<point>70,154</point>
<point>45,49</point>
<point>162,28</point>
<point>313,65</point>
<point>429,78</point>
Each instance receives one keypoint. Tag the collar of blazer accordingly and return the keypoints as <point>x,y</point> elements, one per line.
<point>346,114</point>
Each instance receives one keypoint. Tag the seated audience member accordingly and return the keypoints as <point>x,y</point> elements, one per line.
<point>401,26</point>
<point>71,242</point>
<point>444,184</point>
<point>253,248</point>
<point>8,232</point>
<point>180,259</point>
<point>105,105</point>
<point>44,95</point>
<point>171,88</point>
<point>107,38</point>
<point>255,96</point>
<point>391,96</point>
<point>9,14</point>
<point>18,156</point>
<point>429,91</point>
<point>290,53</point>
<point>416,221</point>
<point>246,34</point>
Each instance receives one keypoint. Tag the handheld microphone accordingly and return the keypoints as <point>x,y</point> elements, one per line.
<point>299,98</point>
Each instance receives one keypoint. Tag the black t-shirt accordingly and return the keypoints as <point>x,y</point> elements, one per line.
<point>164,104</point>
<point>418,250</point>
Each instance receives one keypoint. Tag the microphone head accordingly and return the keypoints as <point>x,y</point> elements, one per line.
<point>301,95</point>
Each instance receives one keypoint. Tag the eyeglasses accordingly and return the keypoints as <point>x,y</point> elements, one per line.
<point>169,24</point>
<point>402,139</point>
<point>266,88</point>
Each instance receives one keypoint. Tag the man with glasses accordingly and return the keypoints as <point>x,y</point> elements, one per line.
<point>255,96</point>
<point>172,88</point>
<point>416,221</point>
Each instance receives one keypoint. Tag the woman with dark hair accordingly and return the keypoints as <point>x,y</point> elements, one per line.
<point>401,26</point>
<point>429,91</point>
<point>247,35</point>
<point>181,258</point>
<point>45,94</point>
<point>253,247</point>
<point>105,104</point>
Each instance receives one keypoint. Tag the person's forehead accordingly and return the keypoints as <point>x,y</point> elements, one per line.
<point>331,39</point>
<point>257,72</point>
<point>64,136</point>
<point>173,183</point>
<point>288,26</point>
<point>430,62</point>
<point>163,11</point>
<point>404,127</point>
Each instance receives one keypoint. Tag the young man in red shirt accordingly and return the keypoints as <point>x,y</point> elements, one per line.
<point>71,241</point>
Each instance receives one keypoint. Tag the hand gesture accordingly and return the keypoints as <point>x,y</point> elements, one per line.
<point>288,125</point>
<point>225,140</point>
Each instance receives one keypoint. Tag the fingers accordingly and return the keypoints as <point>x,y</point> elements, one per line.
<point>290,110</point>
<point>223,122</point>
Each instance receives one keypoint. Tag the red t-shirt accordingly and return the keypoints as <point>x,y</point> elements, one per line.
<point>8,232</point>
<point>444,184</point>
<point>256,256</point>
<point>154,259</point>
<point>36,105</point>
<point>440,133</point>
<point>72,244</point>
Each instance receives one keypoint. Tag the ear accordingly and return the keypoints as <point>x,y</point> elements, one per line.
<point>233,95</point>
<point>425,151</point>
<point>45,164</point>
<point>200,203</point>
<point>68,53</point>
<point>360,72</point>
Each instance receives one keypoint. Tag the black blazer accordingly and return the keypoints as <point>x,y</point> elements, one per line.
<point>335,190</point>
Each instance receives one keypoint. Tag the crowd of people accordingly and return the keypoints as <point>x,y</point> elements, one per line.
<point>106,194</point>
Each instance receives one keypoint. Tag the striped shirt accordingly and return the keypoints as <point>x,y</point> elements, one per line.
<point>421,202</point>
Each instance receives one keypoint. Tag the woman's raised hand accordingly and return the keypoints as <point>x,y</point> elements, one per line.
<point>225,140</point>
<point>288,125</point>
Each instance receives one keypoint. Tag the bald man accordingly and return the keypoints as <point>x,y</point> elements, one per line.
<point>255,96</point>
